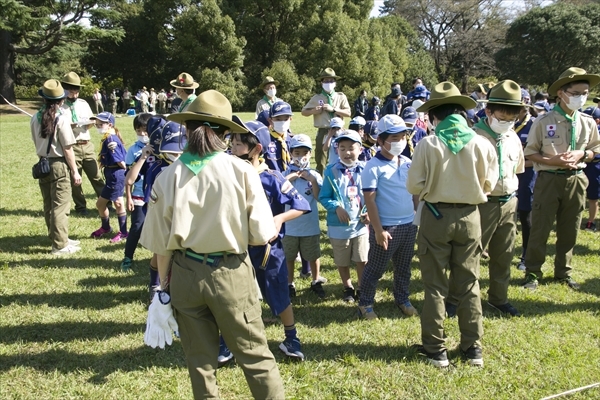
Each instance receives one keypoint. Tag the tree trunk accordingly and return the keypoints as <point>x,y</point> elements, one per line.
<point>7,68</point>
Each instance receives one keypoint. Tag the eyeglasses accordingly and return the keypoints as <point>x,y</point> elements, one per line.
<point>576,94</point>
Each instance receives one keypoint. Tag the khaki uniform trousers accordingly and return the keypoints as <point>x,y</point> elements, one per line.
<point>562,198</point>
<point>498,233</point>
<point>321,156</point>
<point>56,191</point>
<point>208,299</point>
<point>85,158</point>
<point>450,245</point>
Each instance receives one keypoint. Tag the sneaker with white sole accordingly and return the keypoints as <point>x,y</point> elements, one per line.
<point>74,242</point>
<point>292,348</point>
<point>68,249</point>
<point>225,354</point>
<point>474,356</point>
<point>438,360</point>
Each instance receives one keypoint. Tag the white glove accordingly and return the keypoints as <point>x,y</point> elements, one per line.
<point>111,145</point>
<point>160,323</point>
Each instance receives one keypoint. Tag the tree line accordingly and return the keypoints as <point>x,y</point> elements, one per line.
<point>231,45</point>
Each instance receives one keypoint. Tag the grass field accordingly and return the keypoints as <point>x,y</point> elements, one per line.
<point>72,327</point>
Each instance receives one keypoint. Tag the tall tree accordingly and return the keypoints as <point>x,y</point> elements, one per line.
<point>541,44</point>
<point>36,26</point>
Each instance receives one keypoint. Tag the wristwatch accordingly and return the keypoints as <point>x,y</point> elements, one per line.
<point>164,297</point>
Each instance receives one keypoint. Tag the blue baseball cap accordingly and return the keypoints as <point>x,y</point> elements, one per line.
<point>166,136</point>
<point>391,124</point>
<point>280,108</point>
<point>525,94</point>
<point>264,117</point>
<point>409,115</point>
<point>542,105</point>
<point>105,117</point>
<point>349,134</point>
<point>593,112</point>
<point>471,116</point>
<point>371,129</point>
<point>257,129</point>
<point>336,123</point>
<point>300,140</point>
<point>420,92</point>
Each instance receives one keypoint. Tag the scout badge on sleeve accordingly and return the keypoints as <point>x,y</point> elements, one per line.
<point>550,130</point>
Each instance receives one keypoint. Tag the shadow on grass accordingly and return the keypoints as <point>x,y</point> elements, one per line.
<point>21,213</point>
<point>140,277</point>
<point>67,261</point>
<point>77,301</point>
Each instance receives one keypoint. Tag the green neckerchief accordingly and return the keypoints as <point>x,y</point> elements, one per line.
<point>71,105</point>
<point>269,102</point>
<point>40,113</point>
<point>196,163</point>
<point>454,132</point>
<point>188,101</point>
<point>572,120</point>
<point>481,124</point>
<point>329,100</point>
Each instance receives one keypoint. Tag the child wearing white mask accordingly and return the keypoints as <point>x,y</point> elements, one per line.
<point>302,234</point>
<point>269,87</point>
<point>277,154</point>
<point>112,160</point>
<point>391,210</point>
<point>336,128</point>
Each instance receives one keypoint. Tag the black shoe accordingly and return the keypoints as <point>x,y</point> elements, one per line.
<point>474,356</point>
<point>531,282</point>
<point>349,294</point>
<point>292,290</point>
<point>357,297</point>
<point>451,310</point>
<point>569,282</point>
<point>83,212</point>
<point>318,289</point>
<point>439,359</point>
<point>506,309</point>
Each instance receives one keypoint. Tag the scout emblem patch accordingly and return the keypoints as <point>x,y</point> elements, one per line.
<point>272,148</point>
<point>550,130</point>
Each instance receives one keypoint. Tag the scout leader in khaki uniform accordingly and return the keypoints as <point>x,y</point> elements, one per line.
<point>323,107</point>
<point>78,111</point>
<point>49,125</point>
<point>559,144</point>
<point>205,210</point>
<point>451,172</point>
<point>499,213</point>
<point>185,86</point>
<point>269,87</point>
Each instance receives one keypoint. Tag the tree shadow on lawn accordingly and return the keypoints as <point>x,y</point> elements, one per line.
<point>135,279</point>
<point>86,300</point>
<point>101,365</point>
<point>22,213</point>
<point>66,261</point>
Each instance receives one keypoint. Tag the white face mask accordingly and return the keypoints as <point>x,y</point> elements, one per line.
<point>396,148</point>
<point>143,139</point>
<point>576,102</point>
<point>271,92</point>
<point>501,127</point>
<point>328,87</point>
<point>300,162</point>
<point>102,130</point>
<point>349,165</point>
<point>281,126</point>
<point>171,156</point>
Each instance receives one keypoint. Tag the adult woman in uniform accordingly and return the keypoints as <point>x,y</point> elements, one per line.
<point>48,124</point>
<point>204,211</point>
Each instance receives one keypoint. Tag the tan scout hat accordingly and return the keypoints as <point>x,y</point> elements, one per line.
<point>484,88</point>
<point>571,75</point>
<point>209,106</point>
<point>52,90</point>
<point>328,73</point>
<point>71,78</point>
<point>447,93</point>
<point>184,81</point>
<point>268,80</point>
<point>505,92</point>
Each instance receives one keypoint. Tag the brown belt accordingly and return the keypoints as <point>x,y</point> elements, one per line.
<point>82,141</point>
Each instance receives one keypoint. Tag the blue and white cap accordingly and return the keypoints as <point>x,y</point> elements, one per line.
<point>349,134</point>
<point>336,123</point>
<point>280,108</point>
<point>409,115</point>
<point>300,140</point>
<point>358,121</point>
<point>391,124</point>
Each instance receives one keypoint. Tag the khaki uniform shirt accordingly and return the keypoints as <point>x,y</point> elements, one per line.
<point>63,138</point>
<point>513,161</point>
<point>550,135</point>
<point>83,113</point>
<point>340,102</point>
<point>222,209</point>
<point>438,175</point>
<point>263,105</point>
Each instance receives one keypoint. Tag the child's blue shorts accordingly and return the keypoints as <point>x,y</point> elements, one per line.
<point>525,191</point>
<point>114,183</point>
<point>592,171</point>
<point>272,275</point>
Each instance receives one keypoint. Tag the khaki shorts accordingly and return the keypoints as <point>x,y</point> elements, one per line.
<point>308,246</point>
<point>347,250</point>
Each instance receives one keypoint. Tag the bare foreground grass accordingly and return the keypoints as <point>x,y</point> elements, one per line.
<point>72,327</point>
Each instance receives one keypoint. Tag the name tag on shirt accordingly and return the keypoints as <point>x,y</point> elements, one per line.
<point>352,191</point>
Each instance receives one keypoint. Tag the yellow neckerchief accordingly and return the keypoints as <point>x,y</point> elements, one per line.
<point>525,122</point>
<point>285,153</point>
<point>105,136</point>
<point>262,167</point>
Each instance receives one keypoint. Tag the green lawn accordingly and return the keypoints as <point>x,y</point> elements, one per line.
<point>73,327</point>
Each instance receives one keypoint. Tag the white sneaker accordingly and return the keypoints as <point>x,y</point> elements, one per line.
<point>320,279</point>
<point>69,249</point>
<point>74,242</point>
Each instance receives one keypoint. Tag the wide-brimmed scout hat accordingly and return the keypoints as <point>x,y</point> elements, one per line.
<point>52,90</point>
<point>268,80</point>
<point>571,75</point>
<point>506,92</point>
<point>328,73</point>
<point>184,81</point>
<point>71,78</point>
<point>485,87</point>
<point>209,106</point>
<point>447,93</point>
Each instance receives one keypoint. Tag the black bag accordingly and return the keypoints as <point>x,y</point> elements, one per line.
<point>41,169</point>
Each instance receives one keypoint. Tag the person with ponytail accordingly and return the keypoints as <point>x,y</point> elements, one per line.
<point>112,159</point>
<point>49,124</point>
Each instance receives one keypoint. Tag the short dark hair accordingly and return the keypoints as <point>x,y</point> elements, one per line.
<point>384,135</point>
<point>395,84</point>
<point>66,86</point>
<point>141,120</point>
<point>416,79</point>
<point>504,108</point>
<point>189,91</point>
<point>246,138</point>
<point>445,110</point>
<point>570,84</point>
<point>541,96</point>
<point>356,127</point>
